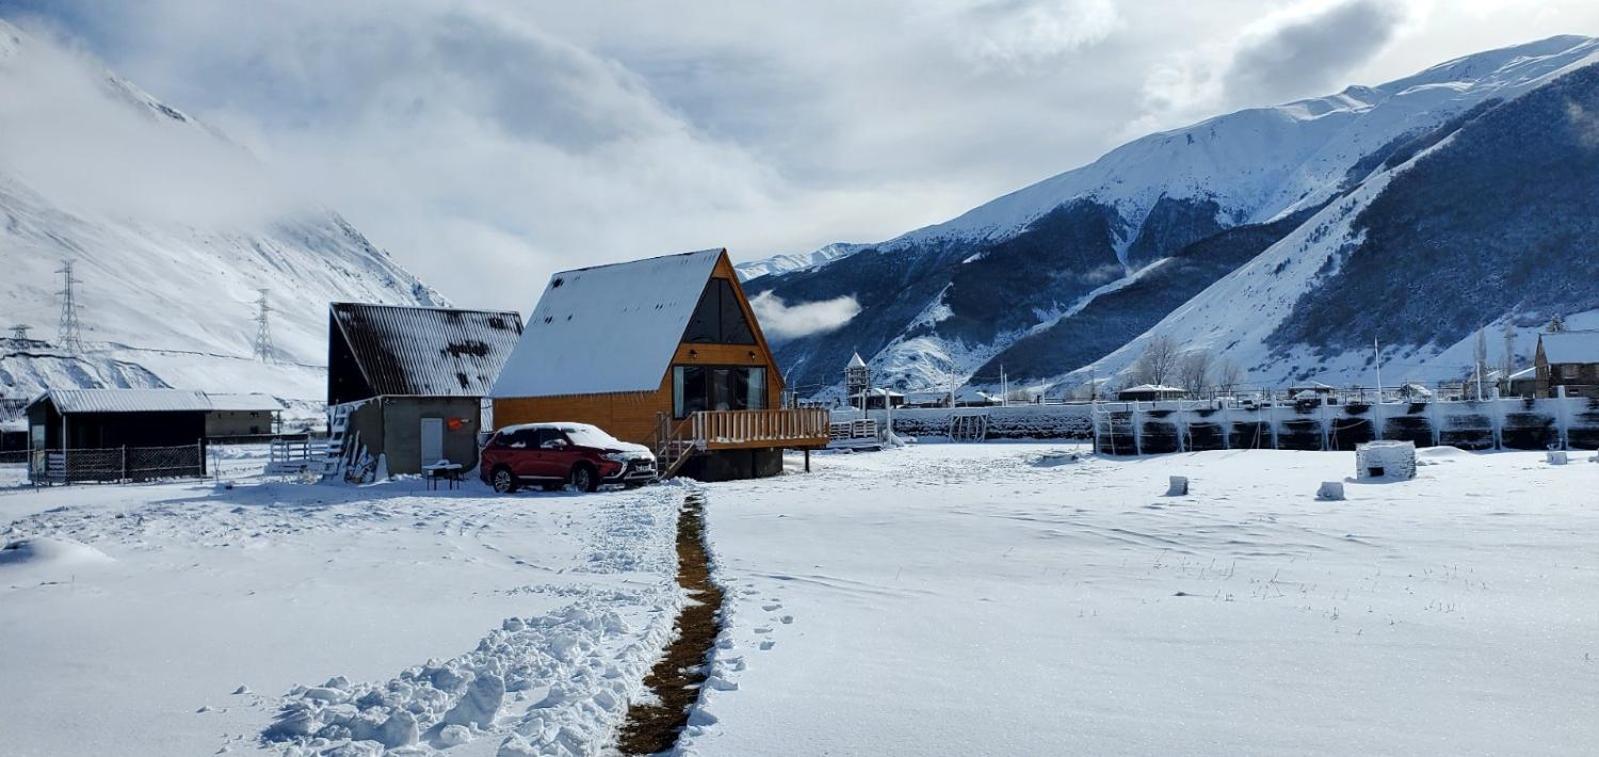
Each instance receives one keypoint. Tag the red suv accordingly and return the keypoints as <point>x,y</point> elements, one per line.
<point>555,454</point>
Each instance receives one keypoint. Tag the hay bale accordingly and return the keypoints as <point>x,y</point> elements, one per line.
<point>1385,460</point>
<point>1330,491</point>
<point>1178,487</point>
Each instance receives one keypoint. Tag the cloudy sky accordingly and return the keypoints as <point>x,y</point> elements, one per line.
<point>487,143</point>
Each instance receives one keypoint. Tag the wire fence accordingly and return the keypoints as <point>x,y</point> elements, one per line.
<point>116,464</point>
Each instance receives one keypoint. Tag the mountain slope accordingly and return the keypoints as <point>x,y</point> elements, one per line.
<point>172,228</point>
<point>1033,259</point>
<point>1493,223</point>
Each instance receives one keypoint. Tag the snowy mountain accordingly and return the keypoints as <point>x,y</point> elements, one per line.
<point>791,262</point>
<point>1055,276</point>
<point>173,229</point>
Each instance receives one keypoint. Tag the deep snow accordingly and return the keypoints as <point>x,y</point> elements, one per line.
<point>933,599</point>
<point>969,599</point>
<point>170,618</point>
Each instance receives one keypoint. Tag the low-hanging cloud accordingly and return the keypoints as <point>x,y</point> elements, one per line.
<point>1306,54</point>
<point>782,321</point>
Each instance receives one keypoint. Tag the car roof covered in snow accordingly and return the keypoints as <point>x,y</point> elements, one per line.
<point>550,424</point>
<point>434,352</point>
<point>1571,346</point>
<point>609,328</point>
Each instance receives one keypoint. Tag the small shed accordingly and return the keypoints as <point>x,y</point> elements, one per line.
<point>410,381</point>
<point>14,435</point>
<point>1385,460</point>
<point>238,416</point>
<point>115,434</point>
<point>1522,383</point>
<point>1150,393</point>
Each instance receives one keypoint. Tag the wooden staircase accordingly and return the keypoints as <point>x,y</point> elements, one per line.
<point>673,444</point>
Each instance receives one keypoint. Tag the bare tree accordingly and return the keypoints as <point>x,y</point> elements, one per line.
<point>1229,374</point>
<point>1193,370</point>
<point>1158,363</point>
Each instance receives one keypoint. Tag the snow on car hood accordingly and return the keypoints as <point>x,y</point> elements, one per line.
<point>632,451</point>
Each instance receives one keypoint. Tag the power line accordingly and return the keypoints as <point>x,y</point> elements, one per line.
<point>69,334</point>
<point>263,328</point>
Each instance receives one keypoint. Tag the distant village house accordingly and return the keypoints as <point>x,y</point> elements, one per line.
<point>1569,360</point>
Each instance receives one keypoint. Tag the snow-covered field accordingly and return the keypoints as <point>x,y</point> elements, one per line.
<point>138,611</point>
<point>938,599</point>
<point>956,599</point>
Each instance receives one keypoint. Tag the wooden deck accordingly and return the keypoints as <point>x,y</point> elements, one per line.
<point>712,430</point>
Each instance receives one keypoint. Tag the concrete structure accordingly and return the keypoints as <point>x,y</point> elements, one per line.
<point>411,381</point>
<point>1385,459</point>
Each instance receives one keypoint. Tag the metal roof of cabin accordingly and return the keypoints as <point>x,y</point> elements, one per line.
<point>69,401</point>
<point>435,352</point>
<point>609,328</point>
<point>1571,347</point>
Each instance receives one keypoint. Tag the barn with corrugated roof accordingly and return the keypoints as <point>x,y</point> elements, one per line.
<point>410,381</point>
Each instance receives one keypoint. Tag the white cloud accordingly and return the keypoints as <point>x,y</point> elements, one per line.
<point>781,321</point>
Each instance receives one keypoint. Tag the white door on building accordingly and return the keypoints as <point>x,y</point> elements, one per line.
<point>432,440</point>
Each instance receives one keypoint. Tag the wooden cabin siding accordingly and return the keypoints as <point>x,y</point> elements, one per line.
<point>634,416</point>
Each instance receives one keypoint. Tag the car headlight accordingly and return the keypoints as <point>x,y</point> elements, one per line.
<point>616,457</point>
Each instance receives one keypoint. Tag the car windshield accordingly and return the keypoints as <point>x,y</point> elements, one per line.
<point>589,436</point>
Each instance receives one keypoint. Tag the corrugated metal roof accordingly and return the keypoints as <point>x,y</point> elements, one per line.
<point>155,401</point>
<point>1571,347</point>
<point>428,351</point>
<point>609,328</point>
<point>244,403</point>
<point>127,400</point>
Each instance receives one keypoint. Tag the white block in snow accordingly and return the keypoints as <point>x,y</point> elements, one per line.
<point>1558,458</point>
<point>1385,460</point>
<point>1178,487</point>
<point>1330,491</point>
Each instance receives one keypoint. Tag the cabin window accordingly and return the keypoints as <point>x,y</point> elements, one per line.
<point>706,387</point>
<point>718,318</point>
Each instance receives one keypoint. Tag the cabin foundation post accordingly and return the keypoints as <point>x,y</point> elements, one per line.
<point>807,459</point>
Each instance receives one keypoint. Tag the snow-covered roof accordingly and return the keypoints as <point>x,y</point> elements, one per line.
<point>434,352</point>
<point>127,400</point>
<point>970,394</point>
<point>14,424</point>
<point>609,328</point>
<point>1155,388</point>
<point>1571,346</point>
<point>1525,374</point>
<point>880,392</point>
<point>1313,386</point>
<point>855,361</point>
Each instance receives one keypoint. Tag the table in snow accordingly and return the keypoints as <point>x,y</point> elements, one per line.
<point>450,472</point>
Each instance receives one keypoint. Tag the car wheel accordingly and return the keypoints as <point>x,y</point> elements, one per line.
<point>503,481</point>
<point>583,478</point>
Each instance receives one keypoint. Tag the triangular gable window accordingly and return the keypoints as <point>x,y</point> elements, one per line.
<point>718,319</point>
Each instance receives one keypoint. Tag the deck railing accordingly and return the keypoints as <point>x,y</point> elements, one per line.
<point>801,426</point>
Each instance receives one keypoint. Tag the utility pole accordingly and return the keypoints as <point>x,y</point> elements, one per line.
<point>263,329</point>
<point>1004,388</point>
<point>70,332</point>
<point>1510,350</point>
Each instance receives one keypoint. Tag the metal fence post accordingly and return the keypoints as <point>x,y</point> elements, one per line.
<point>124,462</point>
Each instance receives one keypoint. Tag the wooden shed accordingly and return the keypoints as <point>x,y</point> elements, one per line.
<point>116,434</point>
<point>406,384</point>
<point>664,352</point>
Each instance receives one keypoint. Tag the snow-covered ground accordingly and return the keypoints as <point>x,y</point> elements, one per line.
<point>135,613</point>
<point>958,599</point>
<point>937,599</point>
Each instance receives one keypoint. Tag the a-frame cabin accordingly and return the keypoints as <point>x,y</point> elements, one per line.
<point>665,352</point>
